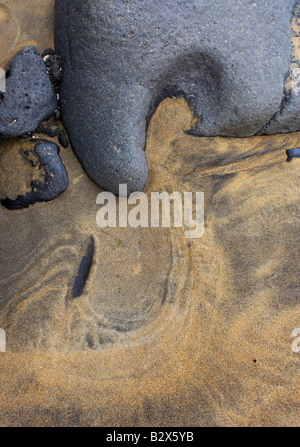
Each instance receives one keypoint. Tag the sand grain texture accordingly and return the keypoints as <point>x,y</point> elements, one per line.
<point>168,331</point>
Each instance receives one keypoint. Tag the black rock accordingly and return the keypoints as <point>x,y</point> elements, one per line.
<point>48,52</point>
<point>50,128</point>
<point>228,59</point>
<point>291,153</point>
<point>57,115</point>
<point>84,270</point>
<point>54,70</point>
<point>29,97</point>
<point>63,139</point>
<point>55,179</point>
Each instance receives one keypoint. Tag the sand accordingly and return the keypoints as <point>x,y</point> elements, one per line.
<point>169,331</point>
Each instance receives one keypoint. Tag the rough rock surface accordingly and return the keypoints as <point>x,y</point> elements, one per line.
<point>31,171</point>
<point>120,59</point>
<point>29,96</point>
<point>54,70</point>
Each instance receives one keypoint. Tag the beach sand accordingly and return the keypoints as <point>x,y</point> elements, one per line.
<point>170,331</point>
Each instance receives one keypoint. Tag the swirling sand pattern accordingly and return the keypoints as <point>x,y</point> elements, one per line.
<point>39,311</point>
<point>38,307</point>
<point>218,351</point>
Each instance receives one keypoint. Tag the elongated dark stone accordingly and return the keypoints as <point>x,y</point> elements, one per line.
<point>84,270</point>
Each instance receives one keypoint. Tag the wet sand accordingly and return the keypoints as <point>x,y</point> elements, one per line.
<point>169,331</point>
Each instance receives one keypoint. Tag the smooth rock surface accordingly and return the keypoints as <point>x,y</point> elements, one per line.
<point>291,153</point>
<point>31,171</point>
<point>63,139</point>
<point>29,96</point>
<point>120,59</point>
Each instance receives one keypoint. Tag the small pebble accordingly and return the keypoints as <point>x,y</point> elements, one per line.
<point>295,152</point>
<point>63,139</point>
<point>26,135</point>
<point>51,128</point>
<point>48,52</point>
<point>57,115</point>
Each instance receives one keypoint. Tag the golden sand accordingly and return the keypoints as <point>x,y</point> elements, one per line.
<point>206,324</point>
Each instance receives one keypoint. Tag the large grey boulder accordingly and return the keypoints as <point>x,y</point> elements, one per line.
<point>229,59</point>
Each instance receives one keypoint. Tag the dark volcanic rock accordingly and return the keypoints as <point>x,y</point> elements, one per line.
<point>50,128</point>
<point>26,135</point>
<point>54,70</point>
<point>84,270</point>
<point>51,181</point>
<point>63,139</point>
<point>291,153</point>
<point>29,96</point>
<point>228,59</point>
<point>48,52</point>
<point>57,115</point>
